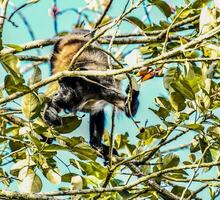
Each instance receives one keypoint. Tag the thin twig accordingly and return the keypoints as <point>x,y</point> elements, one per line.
<point>170,26</point>
<point>195,172</point>
<point>4,6</point>
<point>104,14</point>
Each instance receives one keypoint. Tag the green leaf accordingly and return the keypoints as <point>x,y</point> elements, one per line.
<point>67,177</point>
<point>31,183</point>
<point>1,93</point>
<point>195,127</point>
<point>183,88</point>
<point>121,140</point>
<point>203,102</point>
<point>41,130</point>
<point>194,147</point>
<point>69,124</point>
<point>36,76</point>
<point>31,106</point>
<point>177,101</point>
<point>54,148</point>
<point>214,131</point>
<point>136,21</point>
<point>200,3</point>
<point>36,141</point>
<point>150,132</point>
<point>91,168</point>
<point>70,142</point>
<point>13,85</point>
<point>6,181</point>
<point>163,7</point>
<point>84,151</point>
<point>162,113</point>
<point>10,85</point>
<point>163,102</point>
<point>178,190</point>
<point>203,146</point>
<point>172,75</point>
<point>15,46</point>
<point>10,64</point>
<point>170,160</point>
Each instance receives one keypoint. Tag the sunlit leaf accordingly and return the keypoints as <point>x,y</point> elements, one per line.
<point>183,88</point>
<point>67,177</point>
<point>54,148</point>
<point>14,46</point>
<point>36,76</point>
<point>150,132</point>
<point>77,182</point>
<point>195,127</point>
<point>53,176</point>
<point>13,85</point>
<point>10,63</point>
<point>84,152</point>
<point>31,183</point>
<point>31,106</point>
<point>91,168</point>
<point>200,3</point>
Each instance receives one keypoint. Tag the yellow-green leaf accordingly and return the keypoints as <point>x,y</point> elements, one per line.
<point>31,106</point>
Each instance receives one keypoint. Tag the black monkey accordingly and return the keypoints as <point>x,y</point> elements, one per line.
<point>86,94</point>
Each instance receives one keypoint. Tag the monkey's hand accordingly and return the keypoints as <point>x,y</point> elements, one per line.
<point>51,115</point>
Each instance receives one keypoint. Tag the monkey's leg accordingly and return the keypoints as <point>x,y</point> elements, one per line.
<point>96,128</point>
<point>96,133</point>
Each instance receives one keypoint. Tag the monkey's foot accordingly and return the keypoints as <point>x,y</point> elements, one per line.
<point>105,151</point>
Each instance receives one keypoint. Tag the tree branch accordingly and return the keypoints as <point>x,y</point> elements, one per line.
<point>59,75</point>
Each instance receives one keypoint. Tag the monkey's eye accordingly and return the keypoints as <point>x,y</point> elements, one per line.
<point>65,92</point>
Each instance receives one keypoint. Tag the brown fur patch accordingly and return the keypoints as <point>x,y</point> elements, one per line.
<point>67,47</point>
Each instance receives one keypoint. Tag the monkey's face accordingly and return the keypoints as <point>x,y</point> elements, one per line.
<point>64,98</point>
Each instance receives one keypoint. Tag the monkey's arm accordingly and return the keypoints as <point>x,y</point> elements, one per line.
<point>51,112</point>
<point>121,101</point>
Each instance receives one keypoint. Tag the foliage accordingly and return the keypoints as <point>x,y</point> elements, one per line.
<point>159,164</point>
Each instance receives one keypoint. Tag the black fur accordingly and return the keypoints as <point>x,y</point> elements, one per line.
<point>88,94</point>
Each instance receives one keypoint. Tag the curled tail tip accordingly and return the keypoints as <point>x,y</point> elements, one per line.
<point>131,110</point>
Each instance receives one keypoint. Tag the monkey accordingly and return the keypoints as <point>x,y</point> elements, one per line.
<point>86,94</point>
